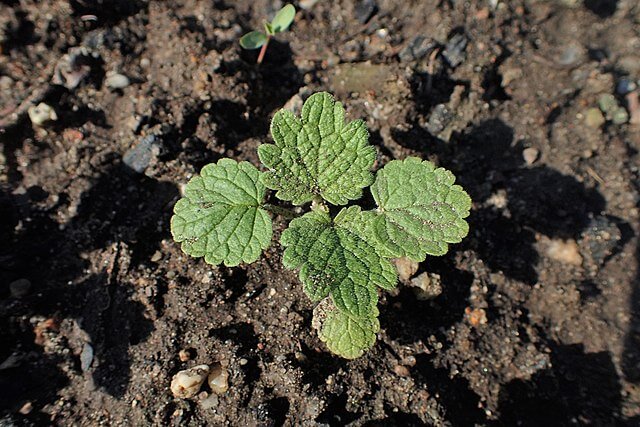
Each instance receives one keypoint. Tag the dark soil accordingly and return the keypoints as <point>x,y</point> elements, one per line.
<point>523,333</point>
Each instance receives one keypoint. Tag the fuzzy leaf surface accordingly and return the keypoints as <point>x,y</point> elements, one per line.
<point>220,216</point>
<point>345,334</point>
<point>318,154</point>
<point>420,211</point>
<point>334,260</point>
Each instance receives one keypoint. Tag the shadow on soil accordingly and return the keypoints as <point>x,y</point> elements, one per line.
<point>515,201</point>
<point>119,216</point>
<point>580,389</point>
<point>631,355</point>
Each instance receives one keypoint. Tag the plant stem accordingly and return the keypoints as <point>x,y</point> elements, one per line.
<point>263,50</point>
<point>286,213</point>
<point>317,205</point>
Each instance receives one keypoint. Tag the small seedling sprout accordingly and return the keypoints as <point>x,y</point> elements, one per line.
<point>279,24</point>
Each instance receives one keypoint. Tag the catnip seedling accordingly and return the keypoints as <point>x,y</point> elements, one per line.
<point>258,39</point>
<point>343,259</point>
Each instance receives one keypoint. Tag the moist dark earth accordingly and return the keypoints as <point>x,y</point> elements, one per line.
<point>538,322</point>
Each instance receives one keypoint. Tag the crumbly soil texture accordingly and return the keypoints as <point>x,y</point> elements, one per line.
<point>537,321</point>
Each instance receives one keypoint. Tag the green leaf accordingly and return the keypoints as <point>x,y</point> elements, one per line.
<point>283,18</point>
<point>318,154</point>
<point>336,261</point>
<point>253,40</point>
<point>420,209</point>
<point>344,334</point>
<point>220,216</point>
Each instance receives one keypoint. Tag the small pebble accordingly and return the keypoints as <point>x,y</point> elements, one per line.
<point>364,10</point>
<point>116,81</point>
<point>294,104</point>
<point>243,361</point>
<point>26,408</point>
<point>86,357</point>
<point>607,103</point>
<point>476,316</point>
<point>139,156</point>
<point>619,116</point>
<point>218,379</point>
<point>6,82</point>
<point>184,355</point>
<point>439,119</point>
<point>625,86</point>
<point>41,114</point>
<point>633,102</point>
<point>307,4</point>
<point>406,268</point>
<point>209,402</point>
<point>594,118</point>
<point>454,52</point>
<point>157,256</point>
<point>600,239</point>
<point>402,371</point>
<point>426,286</point>
<point>566,252</point>
<point>19,288</point>
<point>419,47</point>
<point>409,361</point>
<point>186,384</point>
<point>530,155</point>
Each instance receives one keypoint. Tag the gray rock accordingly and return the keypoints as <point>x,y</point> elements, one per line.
<point>364,10</point>
<point>117,81</point>
<point>625,86</point>
<point>454,52</point>
<point>439,119</point>
<point>600,239</point>
<point>86,357</point>
<point>140,155</point>
<point>417,48</point>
